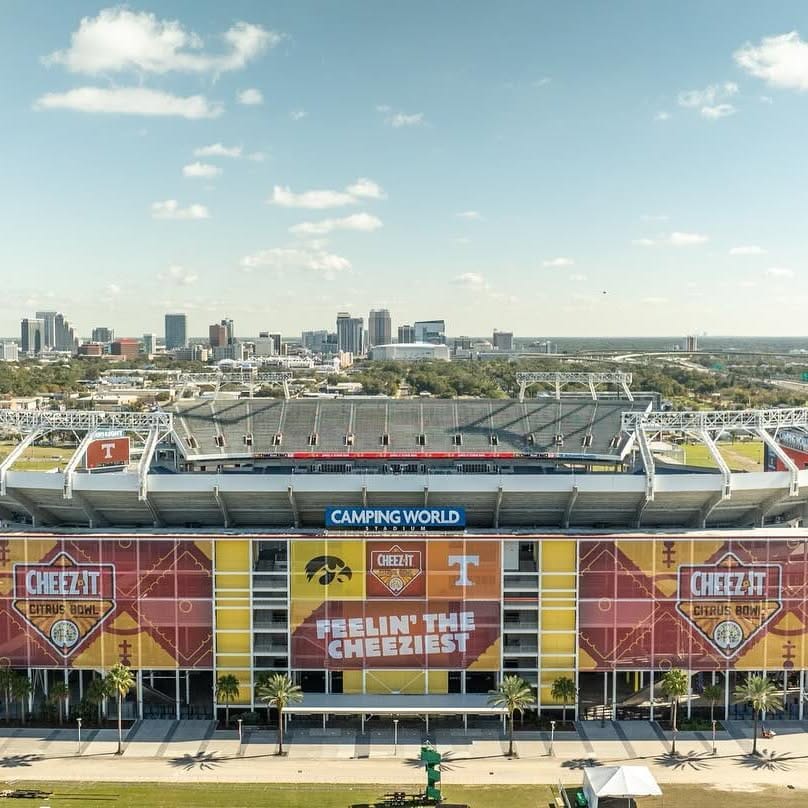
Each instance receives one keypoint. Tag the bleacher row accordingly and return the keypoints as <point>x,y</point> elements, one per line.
<point>259,426</point>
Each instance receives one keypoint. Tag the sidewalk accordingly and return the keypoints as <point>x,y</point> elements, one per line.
<point>192,752</point>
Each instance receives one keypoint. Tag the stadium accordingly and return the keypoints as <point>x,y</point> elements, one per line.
<point>399,556</point>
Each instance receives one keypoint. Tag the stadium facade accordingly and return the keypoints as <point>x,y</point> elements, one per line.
<point>410,550</point>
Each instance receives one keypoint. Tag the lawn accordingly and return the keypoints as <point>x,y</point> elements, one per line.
<point>739,455</point>
<point>38,458</point>
<point>169,795</point>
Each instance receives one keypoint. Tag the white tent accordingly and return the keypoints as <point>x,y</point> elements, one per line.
<point>618,781</point>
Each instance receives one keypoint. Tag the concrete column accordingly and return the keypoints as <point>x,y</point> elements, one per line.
<point>726,695</point>
<point>177,693</point>
<point>651,695</point>
<point>689,692</point>
<point>802,690</point>
<point>614,695</point>
<point>139,693</point>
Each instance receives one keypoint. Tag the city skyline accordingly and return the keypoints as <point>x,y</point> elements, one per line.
<point>277,165</point>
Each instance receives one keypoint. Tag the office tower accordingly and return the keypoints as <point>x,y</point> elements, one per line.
<point>276,341</point>
<point>64,338</point>
<point>350,333</point>
<point>32,339</point>
<point>217,335</point>
<point>691,343</point>
<point>265,344</point>
<point>227,324</point>
<point>406,334</point>
<point>380,328</point>
<point>432,331</point>
<point>150,344</point>
<point>103,334</point>
<point>48,328</point>
<point>8,352</point>
<point>176,331</point>
<point>127,347</point>
<point>502,340</point>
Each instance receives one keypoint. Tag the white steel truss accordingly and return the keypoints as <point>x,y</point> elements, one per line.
<point>25,421</point>
<point>560,378</point>
<point>715,420</point>
<point>250,378</point>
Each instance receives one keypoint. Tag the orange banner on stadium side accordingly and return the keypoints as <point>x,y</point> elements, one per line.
<point>395,603</point>
<point>91,603</point>
<point>107,452</point>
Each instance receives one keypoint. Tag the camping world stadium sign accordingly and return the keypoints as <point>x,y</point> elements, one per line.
<point>396,518</point>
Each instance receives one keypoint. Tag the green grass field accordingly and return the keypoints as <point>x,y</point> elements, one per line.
<point>38,458</point>
<point>169,795</point>
<point>739,456</point>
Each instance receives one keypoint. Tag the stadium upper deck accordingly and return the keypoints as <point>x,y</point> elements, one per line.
<point>563,462</point>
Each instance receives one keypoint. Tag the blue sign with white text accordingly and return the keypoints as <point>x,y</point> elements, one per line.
<point>394,518</point>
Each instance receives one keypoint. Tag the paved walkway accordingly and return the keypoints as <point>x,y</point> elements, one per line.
<point>192,751</point>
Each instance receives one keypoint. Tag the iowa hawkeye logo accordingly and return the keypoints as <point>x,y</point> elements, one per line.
<point>395,568</point>
<point>63,600</point>
<point>729,602</point>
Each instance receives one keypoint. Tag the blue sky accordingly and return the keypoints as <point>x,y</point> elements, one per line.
<point>552,168</point>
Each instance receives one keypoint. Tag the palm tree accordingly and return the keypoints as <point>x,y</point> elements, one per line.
<point>227,690</point>
<point>514,694</point>
<point>759,691</point>
<point>714,694</point>
<point>119,682</point>
<point>6,678</point>
<point>97,693</point>
<point>563,690</point>
<point>675,684</point>
<point>278,691</point>
<point>58,695</point>
<point>21,690</point>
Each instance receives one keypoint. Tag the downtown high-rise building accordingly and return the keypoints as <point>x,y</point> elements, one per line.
<point>406,334</point>
<point>103,334</point>
<point>380,328</point>
<point>32,335</point>
<point>350,334</point>
<point>48,328</point>
<point>502,340</point>
<point>227,324</point>
<point>176,330</point>
<point>217,335</point>
<point>432,331</point>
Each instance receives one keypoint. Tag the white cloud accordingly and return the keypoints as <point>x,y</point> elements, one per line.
<point>257,157</point>
<point>561,261</point>
<point>471,280</point>
<point>471,215</point>
<point>120,39</point>
<point>250,98</point>
<point>130,101</point>
<point>112,290</point>
<point>362,222</point>
<point>654,301</point>
<point>577,277</point>
<point>747,249</point>
<point>748,284</point>
<point>712,102</point>
<point>782,60</point>
<point>708,96</point>
<point>366,189</point>
<point>170,209</point>
<point>718,111</point>
<point>542,82</point>
<point>662,116</point>
<point>297,258</point>
<point>675,239</point>
<point>780,272</point>
<point>202,170</point>
<point>298,114</point>
<point>218,150</point>
<point>321,199</point>
<point>400,119</point>
<point>179,275</point>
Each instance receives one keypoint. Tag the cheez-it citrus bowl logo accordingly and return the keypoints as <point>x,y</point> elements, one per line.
<point>729,602</point>
<point>63,600</point>
<point>396,568</point>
